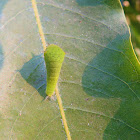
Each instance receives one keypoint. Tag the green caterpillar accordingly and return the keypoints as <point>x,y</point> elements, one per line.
<point>54,57</point>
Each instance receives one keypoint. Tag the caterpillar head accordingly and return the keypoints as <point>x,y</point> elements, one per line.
<point>53,53</point>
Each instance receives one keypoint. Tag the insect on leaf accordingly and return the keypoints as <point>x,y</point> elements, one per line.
<point>54,57</point>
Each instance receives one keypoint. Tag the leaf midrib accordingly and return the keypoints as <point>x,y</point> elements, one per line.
<point>34,4</point>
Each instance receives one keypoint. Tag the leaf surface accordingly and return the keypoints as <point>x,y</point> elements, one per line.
<point>99,81</point>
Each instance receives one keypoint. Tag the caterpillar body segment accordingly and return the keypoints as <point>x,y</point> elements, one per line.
<point>54,57</point>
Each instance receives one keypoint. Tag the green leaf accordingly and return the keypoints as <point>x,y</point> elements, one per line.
<point>99,81</point>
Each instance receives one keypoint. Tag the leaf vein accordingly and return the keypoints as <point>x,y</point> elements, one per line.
<point>71,82</point>
<point>46,125</point>
<point>81,14</point>
<point>21,111</point>
<point>96,113</point>
<point>68,36</point>
<point>12,18</point>
<point>108,74</point>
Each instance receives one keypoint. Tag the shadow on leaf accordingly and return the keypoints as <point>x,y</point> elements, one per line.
<point>89,2</point>
<point>110,75</point>
<point>2,4</point>
<point>34,72</point>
